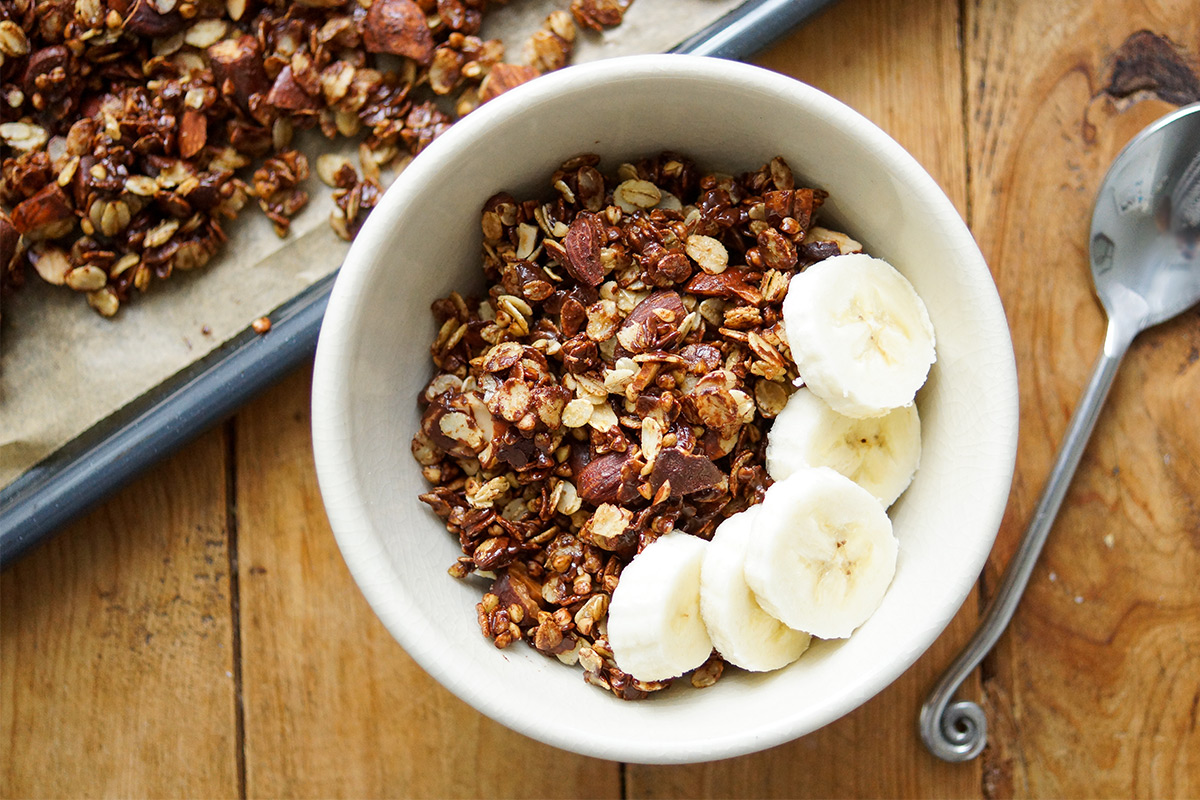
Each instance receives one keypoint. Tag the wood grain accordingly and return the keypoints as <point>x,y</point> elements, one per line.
<point>873,752</point>
<point>115,646</point>
<point>1095,691</point>
<point>118,639</point>
<point>334,707</point>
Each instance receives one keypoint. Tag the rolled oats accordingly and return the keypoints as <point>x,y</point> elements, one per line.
<point>23,135</point>
<point>104,300</point>
<point>635,195</point>
<point>124,118</point>
<point>86,279</point>
<point>615,383</point>
<point>205,33</point>
<point>577,413</point>
<point>708,253</point>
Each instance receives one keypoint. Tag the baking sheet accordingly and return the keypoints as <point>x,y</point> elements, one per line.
<point>63,368</point>
<point>169,414</point>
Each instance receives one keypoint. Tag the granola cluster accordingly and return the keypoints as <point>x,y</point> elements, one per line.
<point>616,383</point>
<point>130,126</point>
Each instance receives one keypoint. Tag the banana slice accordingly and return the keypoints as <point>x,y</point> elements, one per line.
<point>654,623</point>
<point>822,554</point>
<point>742,632</point>
<point>880,454</point>
<point>859,334</point>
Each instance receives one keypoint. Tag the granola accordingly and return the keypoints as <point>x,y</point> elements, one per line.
<point>135,129</point>
<point>616,383</point>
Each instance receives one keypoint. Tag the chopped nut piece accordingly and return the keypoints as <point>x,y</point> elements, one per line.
<point>708,673</point>
<point>583,250</point>
<point>237,65</point>
<point>193,133</point>
<point>607,527</point>
<point>599,14</point>
<point>45,215</point>
<point>844,243</point>
<point>503,77</point>
<point>603,319</point>
<point>51,263</point>
<point>398,27</point>
<point>261,325</point>
<point>146,19</point>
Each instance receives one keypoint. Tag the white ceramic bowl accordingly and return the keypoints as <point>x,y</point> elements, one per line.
<point>423,241</point>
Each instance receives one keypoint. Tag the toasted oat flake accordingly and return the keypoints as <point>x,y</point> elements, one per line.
<point>141,185</point>
<point>577,413</point>
<point>205,32</point>
<point>86,279</point>
<point>161,233</point>
<point>105,301</point>
<point>23,135</point>
<point>124,263</point>
<point>634,195</point>
<point>708,253</point>
<point>603,418</point>
<point>13,42</point>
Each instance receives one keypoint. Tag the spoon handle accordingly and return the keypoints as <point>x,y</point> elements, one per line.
<point>958,732</point>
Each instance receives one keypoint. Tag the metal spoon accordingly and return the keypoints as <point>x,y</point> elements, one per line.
<point>1145,254</point>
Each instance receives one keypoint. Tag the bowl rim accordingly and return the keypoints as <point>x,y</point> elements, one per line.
<point>333,452</point>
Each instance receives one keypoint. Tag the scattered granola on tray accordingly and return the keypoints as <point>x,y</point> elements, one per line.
<point>615,384</point>
<point>133,129</point>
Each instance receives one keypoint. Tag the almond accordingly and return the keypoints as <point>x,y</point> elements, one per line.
<point>503,77</point>
<point>583,250</point>
<point>46,215</point>
<point>686,472</point>
<point>398,27</point>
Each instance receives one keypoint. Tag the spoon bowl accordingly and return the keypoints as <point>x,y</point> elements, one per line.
<point>1145,241</point>
<point>1145,256</point>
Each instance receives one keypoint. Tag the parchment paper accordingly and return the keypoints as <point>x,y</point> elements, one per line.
<point>63,367</point>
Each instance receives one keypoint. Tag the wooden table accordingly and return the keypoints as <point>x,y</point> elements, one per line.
<point>199,635</point>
